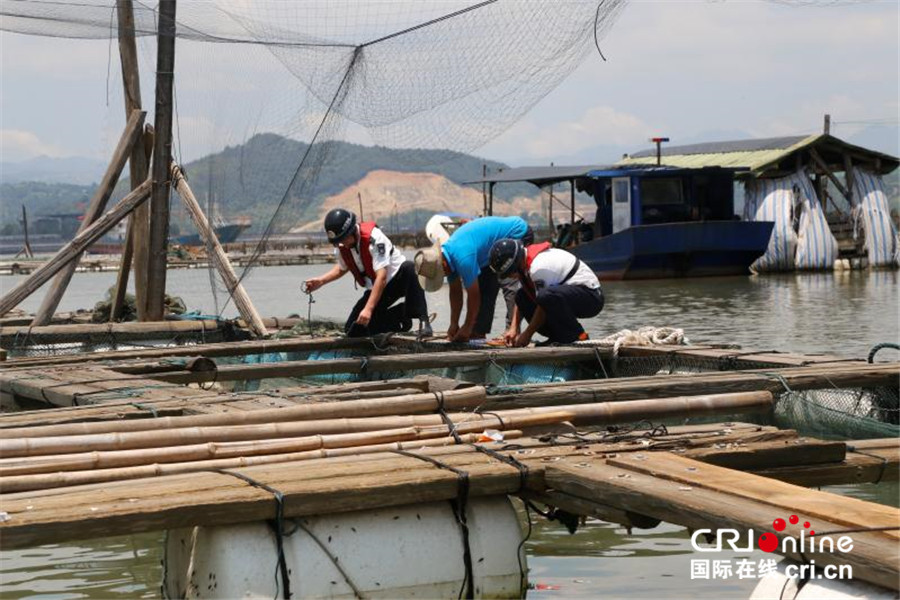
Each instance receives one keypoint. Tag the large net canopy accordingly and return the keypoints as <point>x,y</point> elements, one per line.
<point>445,76</point>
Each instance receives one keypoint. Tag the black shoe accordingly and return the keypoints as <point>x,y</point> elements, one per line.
<point>425,330</point>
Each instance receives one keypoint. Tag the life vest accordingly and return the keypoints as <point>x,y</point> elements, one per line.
<point>530,253</point>
<point>363,242</point>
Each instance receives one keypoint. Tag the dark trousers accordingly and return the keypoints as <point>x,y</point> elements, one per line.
<point>490,286</point>
<point>563,305</point>
<point>386,317</point>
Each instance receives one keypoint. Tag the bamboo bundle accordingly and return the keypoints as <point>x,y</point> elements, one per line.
<point>383,406</point>
<point>226,456</point>
<point>596,414</point>
<point>213,450</point>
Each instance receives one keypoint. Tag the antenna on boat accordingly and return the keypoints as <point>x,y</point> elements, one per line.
<point>658,141</point>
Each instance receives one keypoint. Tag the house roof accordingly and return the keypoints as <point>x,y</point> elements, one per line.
<point>769,154</point>
<point>541,175</point>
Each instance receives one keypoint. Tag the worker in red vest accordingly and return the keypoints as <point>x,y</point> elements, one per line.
<point>364,250</point>
<point>557,290</point>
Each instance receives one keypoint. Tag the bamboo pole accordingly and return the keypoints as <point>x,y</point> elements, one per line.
<point>57,480</point>
<point>227,450</point>
<point>74,248</point>
<point>384,406</point>
<point>162,158</point>
<point>127,142</point>
<point>586,414</point>
<point>136,239</point>
<point>398,362</point>
<point>218,254</point>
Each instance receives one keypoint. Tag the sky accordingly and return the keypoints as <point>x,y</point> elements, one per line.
<point>689,70</point>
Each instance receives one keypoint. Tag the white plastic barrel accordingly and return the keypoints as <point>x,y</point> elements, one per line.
<point>413,551</point>
<point>778,586</point>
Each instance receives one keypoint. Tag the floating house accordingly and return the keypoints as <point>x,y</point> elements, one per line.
<point>796,181</point>
<point>673,211</point>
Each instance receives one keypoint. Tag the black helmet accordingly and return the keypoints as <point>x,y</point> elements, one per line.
<point>339,223</point>
<point>507,256</point>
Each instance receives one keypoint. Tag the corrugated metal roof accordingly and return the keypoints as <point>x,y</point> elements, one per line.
<point>540,175</point>
<point>755,145</point>
<point>750,155</point>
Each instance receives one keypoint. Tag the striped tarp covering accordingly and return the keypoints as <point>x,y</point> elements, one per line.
<point>773,200</point>
<point>817,247</point>
<point>873,215</point>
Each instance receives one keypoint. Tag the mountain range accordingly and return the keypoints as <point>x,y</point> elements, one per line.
<point>250,179</point>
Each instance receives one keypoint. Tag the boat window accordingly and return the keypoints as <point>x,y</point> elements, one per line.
<point>656,191</point>
<point>621,192</point>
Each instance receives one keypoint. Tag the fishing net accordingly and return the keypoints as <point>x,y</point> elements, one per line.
<point>274,94</point>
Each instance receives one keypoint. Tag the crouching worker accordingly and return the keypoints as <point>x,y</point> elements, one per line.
<point>557,290</point>
<point>364,250</point>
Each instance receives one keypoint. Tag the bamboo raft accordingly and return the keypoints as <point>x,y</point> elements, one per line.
<point>136,441</point>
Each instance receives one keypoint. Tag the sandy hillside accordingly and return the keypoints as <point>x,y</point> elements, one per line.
<point>384,192</point>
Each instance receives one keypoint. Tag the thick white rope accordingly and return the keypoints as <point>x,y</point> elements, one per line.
<point>645,336</point>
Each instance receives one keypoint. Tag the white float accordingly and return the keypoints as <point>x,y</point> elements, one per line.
<point>409,551</point>
<point>777,585</point>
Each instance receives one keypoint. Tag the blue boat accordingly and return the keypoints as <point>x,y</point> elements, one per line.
<point>652,221</point>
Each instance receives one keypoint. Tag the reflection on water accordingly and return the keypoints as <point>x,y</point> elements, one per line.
<point>843,314</point>
<point>123,567</point>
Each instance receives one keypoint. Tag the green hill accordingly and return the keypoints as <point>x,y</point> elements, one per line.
<point>250,179</point>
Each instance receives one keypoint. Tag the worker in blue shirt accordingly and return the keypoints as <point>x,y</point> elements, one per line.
<point>465,259</point>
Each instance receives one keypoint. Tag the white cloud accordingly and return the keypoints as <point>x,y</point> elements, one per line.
<point>17,145</point>
<point>597,125</point>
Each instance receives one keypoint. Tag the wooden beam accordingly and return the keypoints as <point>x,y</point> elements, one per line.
<point>218,255</point>
<point>848,175</point>
<point>137,237</point>
<point>374,364</point>
<point>162,158</point>
<point>822,165</point>
<point>127,142</point>
<point>74,248</point>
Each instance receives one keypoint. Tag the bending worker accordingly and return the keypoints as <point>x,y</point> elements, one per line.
<point>381,269</point>
<point>557,290</point>
<point>464,260</point>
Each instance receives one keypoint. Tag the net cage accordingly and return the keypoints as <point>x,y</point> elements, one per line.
<point>830,411</point>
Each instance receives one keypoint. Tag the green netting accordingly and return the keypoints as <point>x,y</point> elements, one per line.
<point>848,413</point>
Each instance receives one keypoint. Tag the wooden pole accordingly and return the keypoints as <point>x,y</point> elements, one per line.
<point>606,413</point>
<point>162,158</point>
<point>373,407</point>
<point>218,255</point>
<point>73,249</point>
<point>137,237</point>
<point>127,141</point>
<point>26,249</point>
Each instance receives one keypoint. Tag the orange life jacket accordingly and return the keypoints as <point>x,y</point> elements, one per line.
<point>363,243</point>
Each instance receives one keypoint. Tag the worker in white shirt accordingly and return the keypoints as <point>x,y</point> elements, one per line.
<point>380,268</point>
<point>557,290</point>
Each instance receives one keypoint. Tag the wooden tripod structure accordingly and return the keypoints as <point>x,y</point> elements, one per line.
<point>148,151</point>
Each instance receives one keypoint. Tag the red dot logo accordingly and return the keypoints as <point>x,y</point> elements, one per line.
<point>779,524</point>
<point>767,542</point>
<point>806,524</point>
<point>794,519</point>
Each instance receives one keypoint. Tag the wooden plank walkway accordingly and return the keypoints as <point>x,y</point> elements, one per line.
<point>619,478</point>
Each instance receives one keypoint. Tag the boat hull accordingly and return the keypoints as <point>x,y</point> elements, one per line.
<point>699,249</point>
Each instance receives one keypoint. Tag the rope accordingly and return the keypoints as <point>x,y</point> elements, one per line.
<point>439,397</point>
<point>645,336</point>
<point>146,407</point>
<point>883,460</point>
<point>278,527</point>
<point>332,558</point>
<point>459,511</point>
<point>878,347</point>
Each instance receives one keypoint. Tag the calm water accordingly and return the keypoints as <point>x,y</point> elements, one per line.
<point>844,314</point>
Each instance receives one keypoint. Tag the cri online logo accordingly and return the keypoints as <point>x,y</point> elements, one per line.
<point>768,542</point>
